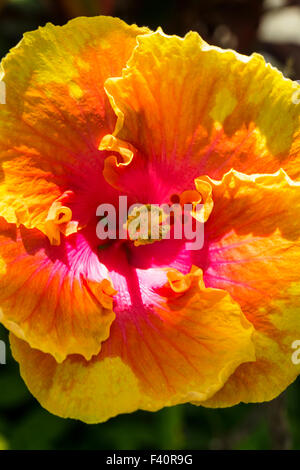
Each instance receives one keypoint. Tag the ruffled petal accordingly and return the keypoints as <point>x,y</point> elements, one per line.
<point>58,299</point>
<point>56,114</point>
<point>182,348</point>
<point>188,108</point>
<point>253,252</point>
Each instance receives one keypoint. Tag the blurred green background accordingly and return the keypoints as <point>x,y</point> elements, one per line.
<point>271,27</point>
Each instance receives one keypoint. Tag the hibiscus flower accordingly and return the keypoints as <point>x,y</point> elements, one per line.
<point>96,110</point>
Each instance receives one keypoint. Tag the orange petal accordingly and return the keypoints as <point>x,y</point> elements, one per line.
<point>177,110</point>
<point>253,240</point>
<point>57,112</point>
<point>183,349</point>
<point>58,299</point>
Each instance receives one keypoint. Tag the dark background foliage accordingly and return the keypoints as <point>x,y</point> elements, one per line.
<point>271,27</point>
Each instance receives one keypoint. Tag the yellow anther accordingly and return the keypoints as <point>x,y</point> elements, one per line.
<point>146,224</point>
